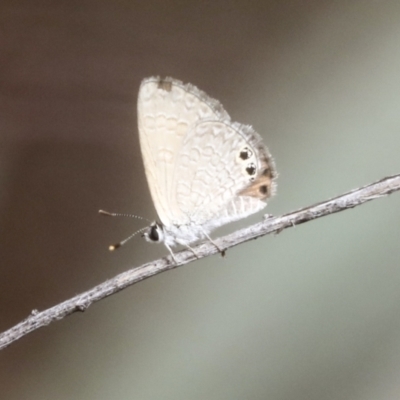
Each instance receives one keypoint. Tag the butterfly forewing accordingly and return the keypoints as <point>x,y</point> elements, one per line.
<point>167,110</point>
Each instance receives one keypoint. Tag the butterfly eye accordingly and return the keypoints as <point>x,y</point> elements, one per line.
<point>263,189</point>
<point>153,235</point>
<point>251,169</point>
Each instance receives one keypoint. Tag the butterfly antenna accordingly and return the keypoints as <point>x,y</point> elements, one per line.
<point>108,214</point>
<point>122,242</point>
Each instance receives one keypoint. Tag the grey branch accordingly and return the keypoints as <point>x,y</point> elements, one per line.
<point>269,225</point>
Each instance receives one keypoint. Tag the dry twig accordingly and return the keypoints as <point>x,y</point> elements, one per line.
<point>81,302</point>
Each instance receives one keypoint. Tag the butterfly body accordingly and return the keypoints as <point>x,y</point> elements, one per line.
<point>203,170</point>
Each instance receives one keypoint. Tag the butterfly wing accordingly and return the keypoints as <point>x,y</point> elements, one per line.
<point>167,111</point>
<point>223,173</point>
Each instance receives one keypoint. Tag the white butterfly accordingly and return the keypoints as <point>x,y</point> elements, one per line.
<point>203,170</point>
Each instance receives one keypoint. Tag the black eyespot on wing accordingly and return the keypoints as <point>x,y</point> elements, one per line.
<point>153,235</point>
<point>245,154</point>
<point>251,169</point>
<point>263,189</point>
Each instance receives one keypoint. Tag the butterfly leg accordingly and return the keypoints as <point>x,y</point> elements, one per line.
<point>192,250</point>
<point>171,252</point>
<point>186,245</point>
<point>212,241</point>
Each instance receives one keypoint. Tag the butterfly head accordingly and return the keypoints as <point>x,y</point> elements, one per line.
<point>154,233</point>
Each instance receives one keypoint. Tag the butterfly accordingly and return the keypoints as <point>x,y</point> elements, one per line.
<point>203,170</point>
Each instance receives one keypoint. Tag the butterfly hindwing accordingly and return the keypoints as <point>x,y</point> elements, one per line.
<point>219,163</point>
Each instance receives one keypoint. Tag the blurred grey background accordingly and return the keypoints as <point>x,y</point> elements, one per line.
<point>312,313</point>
